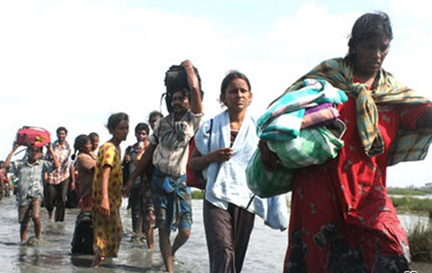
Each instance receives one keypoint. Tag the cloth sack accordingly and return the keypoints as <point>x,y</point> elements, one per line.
<point>264,183</point>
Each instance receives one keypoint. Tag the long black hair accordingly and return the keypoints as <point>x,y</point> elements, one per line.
<point>368,27</point>
<point>80,141</point>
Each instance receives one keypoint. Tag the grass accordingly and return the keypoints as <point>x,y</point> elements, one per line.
<point>420,241</point>
<point>409,191</point>
<point>412,204</point>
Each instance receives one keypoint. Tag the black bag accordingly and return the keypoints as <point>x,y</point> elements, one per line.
<point>176,78</point>
<point>82,242</point>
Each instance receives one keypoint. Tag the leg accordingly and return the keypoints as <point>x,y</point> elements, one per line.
<point>97,259</point>
<point>23,218</point>
<point>134,205</point>
<point>243,222</point>
<point>180,239</point>
<point>165,246</point>
<point>219,236</point>
<point>36,204</point>
<point>49,199</point>
<point>62,192</point>
<point>149,237</point>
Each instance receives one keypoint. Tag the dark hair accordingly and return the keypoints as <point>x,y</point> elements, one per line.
<point>80,141</point>
<point>142,126</point>
<point>61,128</point>
<point>92,135</point>
<point>154,113</point>
<point>368,27</point>
<point>115,119</point>
<point>232,75</point>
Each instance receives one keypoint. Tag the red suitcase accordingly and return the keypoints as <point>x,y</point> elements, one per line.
<point>34,136</point>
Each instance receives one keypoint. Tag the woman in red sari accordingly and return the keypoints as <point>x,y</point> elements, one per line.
<point>341,217</point>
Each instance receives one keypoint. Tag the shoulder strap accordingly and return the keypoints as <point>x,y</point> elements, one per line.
<point>210,133</point>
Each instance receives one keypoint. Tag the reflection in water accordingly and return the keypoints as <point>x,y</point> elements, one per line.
<point>265,254</point>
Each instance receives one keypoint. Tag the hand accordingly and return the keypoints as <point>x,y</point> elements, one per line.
<point>105,207</point>
<point>269,159</point>
<point>191,76</point>
<point>49,146</point>
<point>220,155</point>
<point>126,189</point>
<point>15,146</point>
<point>127,159</point>
<point>72,185</point>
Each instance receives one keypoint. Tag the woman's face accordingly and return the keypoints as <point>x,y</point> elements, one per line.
<point>86,148</point>
<point>237,95</point>
<point>370,56</point>
<point>121,131</point>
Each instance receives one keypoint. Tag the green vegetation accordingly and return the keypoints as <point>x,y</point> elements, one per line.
<point>408,191</point>
<point>420,241</point>
<point>197,194</point>
<point>412,204</point>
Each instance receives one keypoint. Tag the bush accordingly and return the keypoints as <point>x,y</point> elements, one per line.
<point>411,204</point>
<point>197,194</point>
<point>420,241</point>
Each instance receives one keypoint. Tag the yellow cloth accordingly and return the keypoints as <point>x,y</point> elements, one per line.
<point>108,231</point>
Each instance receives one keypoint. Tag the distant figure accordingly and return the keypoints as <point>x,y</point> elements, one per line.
<point>140,199</point>
<point>4,181</point>
<point>30,185</point>
<point>169,148</point>
<point>341,218</point>
<point>153,118</point>
<point>59,180</point>
<point>107,191</point>
<point>85,165</point>
<point>94,138</point>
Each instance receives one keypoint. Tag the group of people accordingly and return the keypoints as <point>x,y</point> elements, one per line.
<point>341,219</point>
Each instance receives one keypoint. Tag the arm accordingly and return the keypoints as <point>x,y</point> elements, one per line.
<point>198,162</point>
<point>145,161</point>
<point>269,159</point>
<point>105,207</point>
<point>54,158</point>
<point>9,157</point>
<point>426,119</point>
<point>196,104</point>
<point>72,176</point>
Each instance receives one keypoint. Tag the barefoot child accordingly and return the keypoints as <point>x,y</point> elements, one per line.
<point>30,185</point>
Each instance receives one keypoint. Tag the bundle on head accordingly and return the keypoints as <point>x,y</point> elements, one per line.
<point>176,80</point>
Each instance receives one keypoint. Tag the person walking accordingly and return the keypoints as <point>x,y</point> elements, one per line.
<point>168,150</point>
<point>107,191</point>
<point>342,219</point>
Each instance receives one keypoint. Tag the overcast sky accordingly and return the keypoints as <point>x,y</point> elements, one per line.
<point>73,63</point>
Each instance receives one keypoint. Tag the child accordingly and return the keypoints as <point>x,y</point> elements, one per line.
<point>94,138</point>
<point>107,191</point>
<point>30,172</point>
<point>140,200</point>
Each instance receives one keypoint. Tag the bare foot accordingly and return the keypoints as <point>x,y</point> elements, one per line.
<point>97,259</point>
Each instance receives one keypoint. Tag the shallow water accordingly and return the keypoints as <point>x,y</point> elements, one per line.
<point>265,254</point>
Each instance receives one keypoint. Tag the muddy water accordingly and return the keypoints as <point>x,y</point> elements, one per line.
<point>265,254</point>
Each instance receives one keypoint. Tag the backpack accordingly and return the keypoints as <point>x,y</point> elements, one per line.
<point>33,136</point>
<point>196,178</point>
<point>82,242</point>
